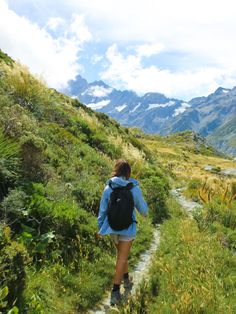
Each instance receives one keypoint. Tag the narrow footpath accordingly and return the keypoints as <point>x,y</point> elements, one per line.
<point>186,204</point>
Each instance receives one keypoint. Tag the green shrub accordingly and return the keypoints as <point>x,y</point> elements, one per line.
<point>194,184</point>
<point>57,230</point>
<point>220,219</point>
<point>13,260</point>
<point>226,236</point>
<point>13,207</point>
<point>216,170</point>
<point>99,141</point>
<point>219,212</point>
<point>155,193</point>
<point>83,127</point>
<point>192,189</point>
<point>32,152</point>
<point>25,89</point>
<point>5,58</point>
<point>14,119</point>
<point>9,164</point>
<point>3,304</point>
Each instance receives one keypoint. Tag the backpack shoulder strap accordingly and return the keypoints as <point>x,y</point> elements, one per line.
<point>129,186</point>
<point>110,186</point>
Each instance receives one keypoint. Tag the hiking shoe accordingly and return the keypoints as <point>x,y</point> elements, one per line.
<point>115,297</point>
<point>128,283</point>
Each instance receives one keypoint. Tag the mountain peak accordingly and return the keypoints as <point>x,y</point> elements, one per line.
<point>78,85</point>
<point>221,90</point>
<point>99,83</point>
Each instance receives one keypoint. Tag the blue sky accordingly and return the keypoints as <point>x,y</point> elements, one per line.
<point>183,48</point>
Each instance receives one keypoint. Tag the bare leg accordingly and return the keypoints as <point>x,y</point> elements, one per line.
<point>123,249</point>
<point>126,269</point>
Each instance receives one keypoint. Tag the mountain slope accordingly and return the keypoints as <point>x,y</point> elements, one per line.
<point>206,114</point>
<point>224,137</point>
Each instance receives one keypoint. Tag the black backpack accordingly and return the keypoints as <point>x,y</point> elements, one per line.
<point>120,207</point>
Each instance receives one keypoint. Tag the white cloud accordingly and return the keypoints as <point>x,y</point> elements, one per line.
<point>98,91</point>
<point>151,20</point>
<point>147,50</point>
<point>96,59</point>
<point>129,72</point>
<point>55,58</point>
<point>201,31</point>
<point>80,29</point>
<point>54,22</point>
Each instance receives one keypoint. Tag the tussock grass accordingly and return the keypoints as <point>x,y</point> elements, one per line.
<point>191,273</point>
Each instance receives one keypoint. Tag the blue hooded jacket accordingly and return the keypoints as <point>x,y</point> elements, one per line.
<point>139,203</point>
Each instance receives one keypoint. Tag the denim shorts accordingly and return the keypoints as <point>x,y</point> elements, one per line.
<point>119,237</point>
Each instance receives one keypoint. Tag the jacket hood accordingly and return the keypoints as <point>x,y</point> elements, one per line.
<point>121,181</point>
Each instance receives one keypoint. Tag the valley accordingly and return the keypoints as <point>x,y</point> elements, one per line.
<point>56,155</point>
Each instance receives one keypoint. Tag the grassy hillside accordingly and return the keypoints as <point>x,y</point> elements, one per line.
<point>55,157</point>
<point>185,156</point>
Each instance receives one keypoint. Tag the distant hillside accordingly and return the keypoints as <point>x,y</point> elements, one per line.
<point>155,113</point>
<point>224,137</point>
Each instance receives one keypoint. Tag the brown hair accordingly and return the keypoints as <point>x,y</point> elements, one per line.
<point>122,168</point>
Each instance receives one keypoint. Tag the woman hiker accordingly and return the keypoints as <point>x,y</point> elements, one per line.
<point>117,217</point>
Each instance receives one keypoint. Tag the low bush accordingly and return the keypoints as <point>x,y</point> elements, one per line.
<point>32,152</point>
<point>13,260</point>
<point>9,164</point>
<point>192,189</point>
<point>156,194</point>
<point>219,218</point>
<point>5,58</point>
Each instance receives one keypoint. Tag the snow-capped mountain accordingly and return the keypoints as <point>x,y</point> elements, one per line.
<point>150,112</point>
<point>155,113</point>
